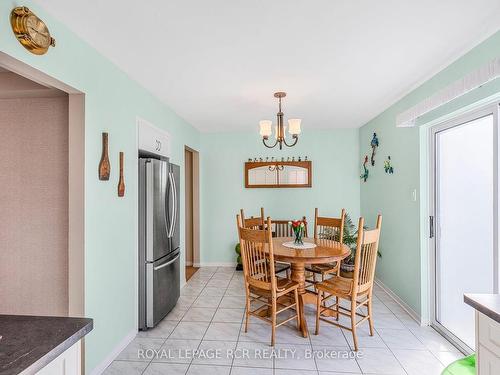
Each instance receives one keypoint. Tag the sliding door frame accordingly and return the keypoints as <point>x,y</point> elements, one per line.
<point>486,110</point>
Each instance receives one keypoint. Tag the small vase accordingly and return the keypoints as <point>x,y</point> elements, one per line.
<point>299,233</point>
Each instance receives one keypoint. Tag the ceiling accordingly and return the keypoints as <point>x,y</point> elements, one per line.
<point>217,63</point>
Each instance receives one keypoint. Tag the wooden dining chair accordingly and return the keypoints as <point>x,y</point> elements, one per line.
<point>259,223</point>
<point>261,282</point>
<point>253,222</point>
<point>358,290</point>
<point>330,229</point>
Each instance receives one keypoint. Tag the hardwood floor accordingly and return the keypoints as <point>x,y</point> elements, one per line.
<point>190,271</point>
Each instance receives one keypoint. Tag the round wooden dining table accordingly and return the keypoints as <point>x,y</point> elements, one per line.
<point>326,251</point>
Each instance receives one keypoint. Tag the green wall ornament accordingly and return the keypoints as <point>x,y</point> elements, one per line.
<point>388,166</point>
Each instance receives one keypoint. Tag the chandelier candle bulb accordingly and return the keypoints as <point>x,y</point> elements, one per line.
<point>294,126</point>
<point>265,128</point>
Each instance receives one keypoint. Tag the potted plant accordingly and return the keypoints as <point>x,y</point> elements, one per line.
<point>350,239</point>
<point>239,265</point>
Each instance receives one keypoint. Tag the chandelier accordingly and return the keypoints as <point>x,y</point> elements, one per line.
<point>280,129</point>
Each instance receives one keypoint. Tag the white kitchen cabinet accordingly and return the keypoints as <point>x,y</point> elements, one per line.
<point>152,139</point>
<point>488,345</point>
<point>67,363</point>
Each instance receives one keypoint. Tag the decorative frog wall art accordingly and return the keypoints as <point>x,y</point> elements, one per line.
<point>388,166</point>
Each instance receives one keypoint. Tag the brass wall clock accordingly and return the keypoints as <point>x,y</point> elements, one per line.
<point>31,31</point>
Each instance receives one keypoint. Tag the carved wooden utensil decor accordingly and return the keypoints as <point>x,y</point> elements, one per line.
<point>121,182</point>
<point>104,166</point>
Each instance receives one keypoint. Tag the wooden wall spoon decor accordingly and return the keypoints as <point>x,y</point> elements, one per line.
<point>104,166</point>
<point>121,182</point>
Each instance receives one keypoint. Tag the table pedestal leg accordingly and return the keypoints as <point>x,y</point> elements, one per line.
<point>298,275</point>
<point>305,297</point>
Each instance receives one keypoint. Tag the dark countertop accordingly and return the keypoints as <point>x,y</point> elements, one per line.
<point>29,343</point>
<point>488,304</point>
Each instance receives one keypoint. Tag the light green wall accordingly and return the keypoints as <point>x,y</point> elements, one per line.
<point>112,103</point>
<point>403,267</point>
<point>334,155</point>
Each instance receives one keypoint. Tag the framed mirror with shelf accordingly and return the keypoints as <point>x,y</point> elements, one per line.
<point>278,174</point>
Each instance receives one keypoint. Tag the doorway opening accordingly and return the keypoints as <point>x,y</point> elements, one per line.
<point>52,173</point>
<point>192,211</point>
<point>464,220</point>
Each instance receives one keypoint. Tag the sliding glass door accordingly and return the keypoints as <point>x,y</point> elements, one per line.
<point>465,220</point>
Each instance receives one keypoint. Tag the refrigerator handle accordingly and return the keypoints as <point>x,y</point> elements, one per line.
<point>174,221</point>
<point>174,201</point>
<point>149,209</point>
<point>163,175</point>
<point>166,264</point>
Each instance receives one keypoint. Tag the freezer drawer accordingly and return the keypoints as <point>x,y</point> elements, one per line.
<point>162,288</point>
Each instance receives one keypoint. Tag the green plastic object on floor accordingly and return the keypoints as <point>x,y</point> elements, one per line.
<point>464,366</point>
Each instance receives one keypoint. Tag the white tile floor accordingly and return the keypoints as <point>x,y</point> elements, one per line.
<point>209,318</point>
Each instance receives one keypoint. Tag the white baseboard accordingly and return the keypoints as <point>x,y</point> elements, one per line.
<point>215,264</point>
<point>399,301</point>
<point>99,369</point>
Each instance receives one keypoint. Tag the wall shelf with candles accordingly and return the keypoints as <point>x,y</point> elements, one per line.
<point>279,160</point>
<point>278,174</point>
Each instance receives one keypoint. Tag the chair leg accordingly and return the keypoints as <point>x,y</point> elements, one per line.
<point>337,308</point>
<point>353,323</point>
<point>318,311</point>
<point>370,317</point>
<point>273,320</point>
<point>247,312</point>
<point>297,308</point>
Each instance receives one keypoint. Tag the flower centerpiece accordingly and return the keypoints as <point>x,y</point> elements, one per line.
<point>299,228</point>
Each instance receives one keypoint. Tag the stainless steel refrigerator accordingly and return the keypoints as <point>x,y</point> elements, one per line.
<point>159,240</point>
